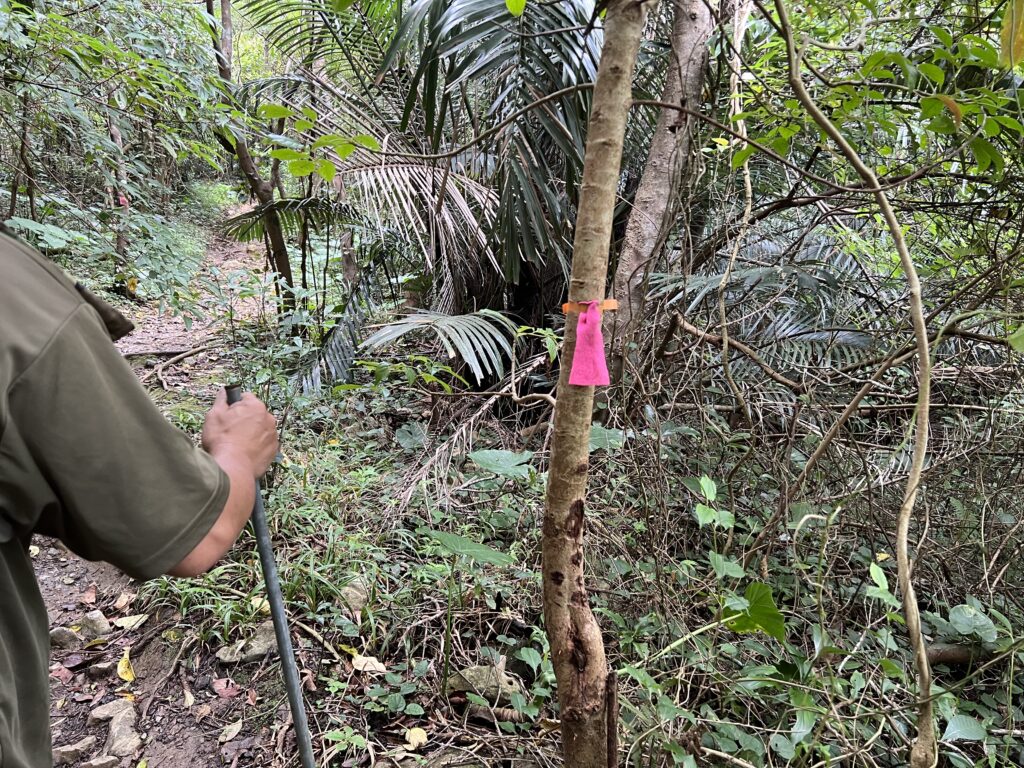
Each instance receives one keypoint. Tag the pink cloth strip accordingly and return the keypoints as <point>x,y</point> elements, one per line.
<point>589,367</point>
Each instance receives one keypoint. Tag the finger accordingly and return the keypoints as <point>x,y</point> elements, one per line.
<point>221,398</point>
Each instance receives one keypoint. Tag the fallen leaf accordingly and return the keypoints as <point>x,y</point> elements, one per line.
<point>142,764</point>
<point>230,732</point>
<point>202,711</point>
<point>252,697</point>
<point>81,697</point>
<point>123,600</point>
<point>33,550</point>
<point>62,673</point>
<point>124,668</point>
<point>74,660</point>
<point>415,738</point>
<point>189,699</point>
<point>225,688</point>
<point>126,695</point>
<point>260,605</point>
<point>95,641</point>
<point>131,622</point>
<point>368,664</point>
<point>89,596</point>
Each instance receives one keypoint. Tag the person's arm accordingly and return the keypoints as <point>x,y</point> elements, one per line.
<point>242,439</point>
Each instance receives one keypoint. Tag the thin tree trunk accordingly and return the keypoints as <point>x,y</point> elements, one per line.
<point>263,190</point>
<point>125,282</point>
<point>25,161</point>
<point>657,198</point>
<point>586,687</point>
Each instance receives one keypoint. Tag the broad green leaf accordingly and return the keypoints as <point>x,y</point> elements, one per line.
<point>301,167</point>
<point>504,463</point>
<point>968,620</point>
<point>288,155</point>
<point>705,514</point>
<point>411,435</point>
<point>516,7</point>
<point>1011,36</point>
<point>1016,339</point>
<point>275,111</point>
<point>708,488</point>
<point>326,170</point>
<point>530,656</point>
<point>964,728</point>
<point>762,613</point>
<point>933,73</point>
<point>725,567</point>
<point>364,140</point>
<point>463,547</point>
<point>605,439</point>
<point>740,157</point>
<point>878,576</point>
<point>303,125</point>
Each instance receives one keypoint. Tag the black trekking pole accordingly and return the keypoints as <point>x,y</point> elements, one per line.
<point>277,612</point>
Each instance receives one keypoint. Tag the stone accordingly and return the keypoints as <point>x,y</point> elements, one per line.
<point>254,649</point>
<point>489,682</point>
<point>64,638</point>
<point>72,753</point>
<point>355,595</point>
<point>101,669</point>
<point>122,740</point>
<point>95,624</point>
<point>102,762</point>
<point>110,710</point>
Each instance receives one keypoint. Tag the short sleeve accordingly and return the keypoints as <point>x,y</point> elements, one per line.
<point>100,467</point>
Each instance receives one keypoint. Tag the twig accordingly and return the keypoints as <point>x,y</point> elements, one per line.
<point>159,370</point>
<point>739,346</point>
<point>185,645</point>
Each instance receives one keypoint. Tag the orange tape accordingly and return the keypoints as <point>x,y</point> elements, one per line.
<point>608,305</point>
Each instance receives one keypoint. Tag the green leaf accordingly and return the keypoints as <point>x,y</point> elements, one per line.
<point>326,170</point>
<point>761,614</point>
<point>705,514</point>
<point>365,140</point>
<point>516,7</point>
<point>288,155</point>
<point>340,6</point>
<point>503,463</point>
<point>968,620</point>
<point>708,488</point>
<point>605,439</point>
<point>964,728</point>
<point>395,702</point>
<point>1016,339</point>
<point>933,73</point>
<point>303,125</point>
<point>531,657</point>
<point>275,111</point>
<point>463,547</point>
<point>740,157</point>
<point>878,576</point>
<point>301,167</point>
<point>415,710</point>
<point>725,567</point>
<point>411,435</point>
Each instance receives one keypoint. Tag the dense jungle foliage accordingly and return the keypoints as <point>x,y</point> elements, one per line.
<point>411,174</point>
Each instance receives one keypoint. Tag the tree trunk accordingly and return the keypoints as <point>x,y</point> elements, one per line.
<point>586,687</point>
<point>657,198</point>
<point>123,282</point>
<point>261,189</point>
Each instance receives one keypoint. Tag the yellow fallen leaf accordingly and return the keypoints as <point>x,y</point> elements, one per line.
<point>333,441</point>
<point>260,605</point>
<point>95,641</point>
<point>368,664</point>
<point>881,557</point>
<point>126,695</point>
<point>131,622</point>
<point>33,550</point>
<point>189,699</point>
<point>415,738</point>
<point>349,650</point>
<point>124,668</point>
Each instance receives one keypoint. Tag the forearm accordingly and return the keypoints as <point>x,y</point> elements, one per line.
<point>232,518</point>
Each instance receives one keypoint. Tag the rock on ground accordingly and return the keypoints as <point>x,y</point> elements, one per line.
<point>492,683</point>
<point>62,637</point>
<point>72,753</point>
<point>253,649</point>
<point>102,762</point>
<point>122,740</point>
<point>95,624</point>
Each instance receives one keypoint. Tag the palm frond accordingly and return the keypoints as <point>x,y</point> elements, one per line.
<point>317,212</point>
<point>480,339</point>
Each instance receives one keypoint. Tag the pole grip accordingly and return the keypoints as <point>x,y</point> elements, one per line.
<point>234,393</point>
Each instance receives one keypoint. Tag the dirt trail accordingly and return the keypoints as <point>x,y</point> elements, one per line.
<point>174,713</point>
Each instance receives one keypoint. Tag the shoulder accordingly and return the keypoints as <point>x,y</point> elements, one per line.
<point>36,300</point>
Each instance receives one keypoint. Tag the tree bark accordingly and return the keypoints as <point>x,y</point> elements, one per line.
<point>586,687</point>
<point>261,189</point>
<point>657,199</point>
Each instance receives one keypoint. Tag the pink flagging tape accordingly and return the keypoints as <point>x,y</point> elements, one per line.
<point>589,367</point>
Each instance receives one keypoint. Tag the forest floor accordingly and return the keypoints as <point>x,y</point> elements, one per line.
<point>178,706</point>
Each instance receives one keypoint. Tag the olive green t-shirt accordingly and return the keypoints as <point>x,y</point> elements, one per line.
<point>86,457</point>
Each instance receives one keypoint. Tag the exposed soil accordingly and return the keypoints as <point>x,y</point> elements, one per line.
<point>190,710</point>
